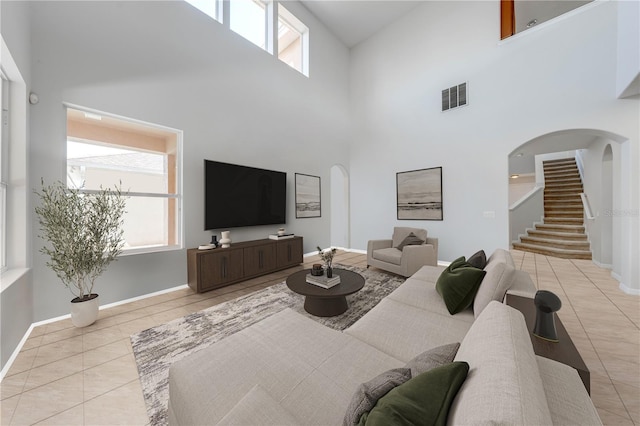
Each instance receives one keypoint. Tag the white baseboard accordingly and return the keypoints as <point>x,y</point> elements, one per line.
<point>604,266</point>
<point>629,290</point>
<point>18,348</point>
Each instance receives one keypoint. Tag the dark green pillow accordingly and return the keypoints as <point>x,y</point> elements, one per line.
<point>458,285</point>
<point>423,400</point>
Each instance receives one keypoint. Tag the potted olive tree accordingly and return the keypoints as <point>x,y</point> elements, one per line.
<point>83,232</point>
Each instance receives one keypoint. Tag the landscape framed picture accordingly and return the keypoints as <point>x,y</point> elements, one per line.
<point>419,194</point>
<point>307,196</point>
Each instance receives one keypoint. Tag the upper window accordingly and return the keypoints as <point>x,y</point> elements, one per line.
<point>292,41</point>
<point>256,21</point>
<point>213,8</point>
<point>103,151</point>
<point>249,19</point>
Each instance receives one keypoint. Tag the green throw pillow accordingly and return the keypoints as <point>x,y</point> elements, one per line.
<point>458,285</point>
<point>423,400</point>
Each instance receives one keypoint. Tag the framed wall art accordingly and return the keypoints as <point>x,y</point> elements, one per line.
<point>419,194</point>
<point>307,196</point>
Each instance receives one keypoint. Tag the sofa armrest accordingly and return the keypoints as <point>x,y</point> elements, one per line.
<point>415,257</point>
<point>522,285</point>
<point>568,400</point>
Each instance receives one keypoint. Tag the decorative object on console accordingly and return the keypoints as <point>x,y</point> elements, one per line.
<point>547,303</point>
<point>214,241</point>
<point>327,257</point>
<point>281,231</point>
<point>316,270</point>
<point>419,194</point>
<point>225,239</point>
<point>307,196</point>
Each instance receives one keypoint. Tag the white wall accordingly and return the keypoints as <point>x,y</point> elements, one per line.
<point>559,75</point>
<point>16,285</point>
<point>166,63</point>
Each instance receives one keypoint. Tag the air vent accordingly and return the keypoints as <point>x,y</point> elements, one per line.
<point>454,97</point>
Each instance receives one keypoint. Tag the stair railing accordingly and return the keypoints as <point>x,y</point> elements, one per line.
<point>526,212</point>
<point>586,206</point>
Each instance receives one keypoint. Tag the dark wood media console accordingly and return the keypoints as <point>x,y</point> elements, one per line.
<point>215,268</point>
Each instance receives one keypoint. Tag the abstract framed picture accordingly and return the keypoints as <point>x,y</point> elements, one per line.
<point>307,196</point>
<point>419,194</point>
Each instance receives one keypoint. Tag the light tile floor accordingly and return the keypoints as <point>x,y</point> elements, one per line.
<point>69,376</point>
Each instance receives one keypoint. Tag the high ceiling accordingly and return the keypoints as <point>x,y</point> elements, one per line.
<point>353,21</point>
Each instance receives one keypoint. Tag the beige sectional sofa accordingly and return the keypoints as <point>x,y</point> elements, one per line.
<point>290,370</point>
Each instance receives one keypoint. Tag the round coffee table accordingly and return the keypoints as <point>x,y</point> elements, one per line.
<point>326,302</point>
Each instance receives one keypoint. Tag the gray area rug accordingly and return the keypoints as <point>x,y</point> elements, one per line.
<point>155,349</point>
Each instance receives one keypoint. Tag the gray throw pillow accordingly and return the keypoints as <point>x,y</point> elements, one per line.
<point>478,260</point>
<point>410,240</point>
<point>370,392</point>
<point>433,358</point>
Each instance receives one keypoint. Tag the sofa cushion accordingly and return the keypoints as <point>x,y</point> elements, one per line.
<point>432,358</point>
<point>424,295</point>
<point>478,259</point>
<point>404,331</point>
<point>458,285</point>
<point>389,255</point>
<point>424,399</point>
<point>401,232</point>
<point>494,285</point>
<point>504,384</point>
<point>368,393</point>
<point>257,407</point>
<point>410,240</point>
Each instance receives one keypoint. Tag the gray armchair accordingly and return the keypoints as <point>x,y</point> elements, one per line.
<point>396,256</point>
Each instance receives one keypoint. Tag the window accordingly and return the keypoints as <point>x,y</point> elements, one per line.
<point>213,8</point>
<point>256,21</point>
<point>292,40</point>
<point>4,142</point>
<point>249,19</point>
<point>104,150</point>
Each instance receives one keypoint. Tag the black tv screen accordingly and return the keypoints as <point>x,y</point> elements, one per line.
<point>243,196</point>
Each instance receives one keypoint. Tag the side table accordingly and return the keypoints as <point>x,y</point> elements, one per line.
<point>563,351</point>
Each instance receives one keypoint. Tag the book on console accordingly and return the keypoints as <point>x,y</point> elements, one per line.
<point>323,281</point>
<point>280,237</point>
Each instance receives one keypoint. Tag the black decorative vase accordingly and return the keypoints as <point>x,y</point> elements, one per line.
<point>214,241</point>
<point>547,303</point>
<point>329,272</point>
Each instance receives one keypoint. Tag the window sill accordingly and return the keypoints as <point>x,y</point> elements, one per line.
<point>150,249</point>
<point>10,276</point>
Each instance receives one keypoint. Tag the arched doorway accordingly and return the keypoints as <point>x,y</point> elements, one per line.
<point>605,167</point>
<point>339,207</point>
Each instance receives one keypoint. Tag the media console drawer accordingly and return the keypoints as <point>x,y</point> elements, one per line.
<point>215,268</point>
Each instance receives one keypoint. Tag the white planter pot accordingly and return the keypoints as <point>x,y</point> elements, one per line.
<point>85,313</point>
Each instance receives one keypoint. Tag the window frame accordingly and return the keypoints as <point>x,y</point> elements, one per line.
<point>4,166</point>
<point>178,220</point>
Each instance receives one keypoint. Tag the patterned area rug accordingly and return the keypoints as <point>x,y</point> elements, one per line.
<point>157,348</point>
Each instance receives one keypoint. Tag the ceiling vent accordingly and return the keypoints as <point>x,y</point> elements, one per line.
<point>454,97</point>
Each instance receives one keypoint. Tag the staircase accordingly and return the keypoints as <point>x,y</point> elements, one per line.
<point>562,233</point>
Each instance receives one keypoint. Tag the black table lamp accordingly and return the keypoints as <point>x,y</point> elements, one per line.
<point>546,304</point>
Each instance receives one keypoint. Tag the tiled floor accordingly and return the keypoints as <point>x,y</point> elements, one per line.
<point>70,376</point>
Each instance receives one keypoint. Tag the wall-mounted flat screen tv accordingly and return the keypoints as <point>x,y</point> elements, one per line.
<point>243,196</point>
